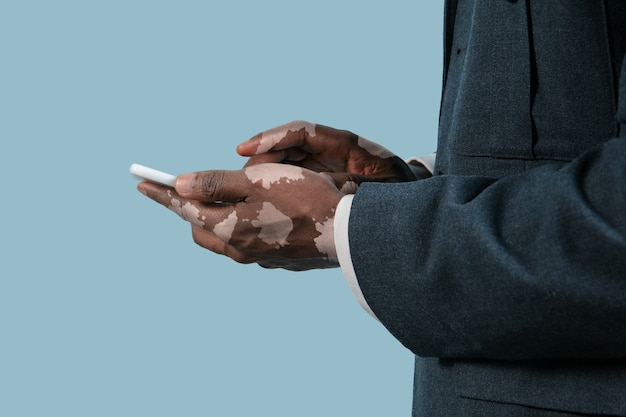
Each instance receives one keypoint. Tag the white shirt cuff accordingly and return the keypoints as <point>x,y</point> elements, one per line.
<point>427,161</point>
<point>342,243</point>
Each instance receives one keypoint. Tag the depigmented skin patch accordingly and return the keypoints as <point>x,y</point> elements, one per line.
<point>281,216</point>
<point>374,148</point>
<point>272,137</point>
<point>279,209</point>
<point>325,242</point>
<point>322,149</point>
<point>275,226</point>
<point>186,211</point>
<point>269,174</point>
<point>349,187</point>
<point>225,229</point>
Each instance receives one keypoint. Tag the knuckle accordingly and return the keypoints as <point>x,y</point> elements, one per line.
<point>210,185</point>
<point>298,124</point>
<point>302,128</point>
<point>349,187</point>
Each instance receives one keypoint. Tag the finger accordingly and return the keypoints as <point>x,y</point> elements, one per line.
<point>193,211</point>
<point>290,135</point>
<point>214,243</point>
<point>287,155</point>
<point>266,158</point>
<point>213,186</point>
<point>168,198</point>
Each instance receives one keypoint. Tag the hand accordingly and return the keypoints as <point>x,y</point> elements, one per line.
<point>347,158</point>
<point>279,216</point>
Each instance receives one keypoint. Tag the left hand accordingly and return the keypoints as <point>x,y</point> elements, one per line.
<point>347,158</point>
<point>279,216</point>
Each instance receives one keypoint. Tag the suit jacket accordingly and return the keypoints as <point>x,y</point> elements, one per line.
<point>505,273</point>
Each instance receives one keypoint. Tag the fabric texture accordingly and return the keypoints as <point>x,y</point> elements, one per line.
<point>507,276</point>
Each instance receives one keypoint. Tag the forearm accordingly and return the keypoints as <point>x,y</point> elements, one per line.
<point>516,268</point>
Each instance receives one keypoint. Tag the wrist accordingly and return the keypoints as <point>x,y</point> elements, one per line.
<point>325,241</point>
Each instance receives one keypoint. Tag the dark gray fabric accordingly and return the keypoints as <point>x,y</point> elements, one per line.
<point>621,111</point>
<point>506,272</point>
<point>528,388</point>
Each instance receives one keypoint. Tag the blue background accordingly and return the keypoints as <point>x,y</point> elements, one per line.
<point>107,307</point>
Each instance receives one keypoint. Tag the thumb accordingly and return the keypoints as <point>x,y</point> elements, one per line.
<point>213,186</point>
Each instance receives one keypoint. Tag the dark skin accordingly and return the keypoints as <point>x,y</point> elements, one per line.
<point>279,216</point>
<point>343,155</point>
<point>278,211</point>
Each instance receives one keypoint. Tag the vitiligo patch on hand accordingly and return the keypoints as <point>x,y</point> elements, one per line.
<point>188,211</point>
<point>269,174</point>
<point>374,148</point>
<point>224,230</point>
<point>273,137</point>
<point>325,242</point>
<point>275,226</point>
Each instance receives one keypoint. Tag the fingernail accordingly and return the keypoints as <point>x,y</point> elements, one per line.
<point>184,183</point>
<point>142,190</point>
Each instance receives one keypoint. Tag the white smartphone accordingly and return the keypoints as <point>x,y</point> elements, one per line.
<point>150,174</point>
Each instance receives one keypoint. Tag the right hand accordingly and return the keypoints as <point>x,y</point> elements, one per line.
<point>345,157</point>
<point>279,216</point>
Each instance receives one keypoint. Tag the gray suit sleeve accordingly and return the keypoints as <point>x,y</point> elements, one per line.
<point>528,266</point>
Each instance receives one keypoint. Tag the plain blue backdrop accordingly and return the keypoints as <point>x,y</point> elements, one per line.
<point>107,307</point>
